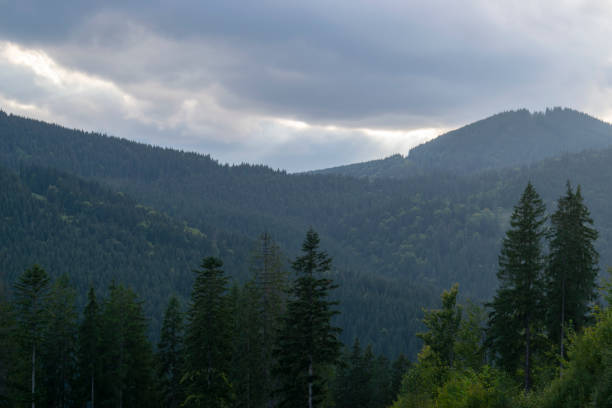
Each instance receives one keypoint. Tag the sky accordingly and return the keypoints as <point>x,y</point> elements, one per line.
<point>299,85</point>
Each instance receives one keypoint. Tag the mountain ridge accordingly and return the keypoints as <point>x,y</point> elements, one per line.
<point>396,243</point>
<point>507,139</point>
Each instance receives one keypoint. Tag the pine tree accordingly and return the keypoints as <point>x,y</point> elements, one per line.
<point>308,343</point>
<point>58,350</point>
<point>380,380</point>
<point>517,308</point>
<point>89,349</point>
<point>208,339</point>
<point>572,268</point>
<point>269,285</point>
<point>8,350</point>
<point>170,355</point>
<point>353,379</point>
<point>31,294</point>
<point>248,359</point>
<point>127,356</point>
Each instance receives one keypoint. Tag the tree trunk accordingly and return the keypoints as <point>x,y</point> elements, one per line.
<point>310,383</point>
<point>33,375</point>
<point>527,356</point>
<point>562,323</point>
<point>92,390</point>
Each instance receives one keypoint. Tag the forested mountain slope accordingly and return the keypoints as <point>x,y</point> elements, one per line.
<point>508,139</point>
<point>97,236</point>
<point>396,243</point>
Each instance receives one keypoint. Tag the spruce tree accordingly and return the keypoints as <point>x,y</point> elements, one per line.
<point>517,309</point>
<point>31,294</point>
<point>572,270</point>
<point>208,339</point>
<point>269,291</point>
<point>307,343</point>
<point>127,356</point>
<point>248,366</point>
<point>170,355</point>
<point>58,350</point>
<point>89,349</point>
<point>353,379</point>
<point>8,350</point>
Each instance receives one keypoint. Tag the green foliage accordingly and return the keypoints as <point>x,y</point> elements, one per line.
<point>443,325</point>
<point>157,210</point>
<point>89,359</point>
<point>487,388</point>
<point>573,266</point>
<point>127,356</point>
<point>516,317</point>
<point>209,328</point>
<point>170,355</point>
<point>8,349</point>
<point>586,379</point>
<point>308,342</point>
<point>31,294</point>
<point>250,366</point>
<point>59,347</point>
<point>352,387</point>
<point>267,291</point>
<point>469,348</point>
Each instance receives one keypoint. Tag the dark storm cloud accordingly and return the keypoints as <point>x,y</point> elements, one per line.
<point>325,61</point>
<point>208,73</point>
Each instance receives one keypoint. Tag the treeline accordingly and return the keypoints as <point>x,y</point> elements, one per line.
<point>396,243</point>
<point>542,341</point>
<point>270,342</point>
<point>95,235</point>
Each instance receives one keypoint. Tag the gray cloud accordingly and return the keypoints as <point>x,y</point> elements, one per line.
<point>214,75</point>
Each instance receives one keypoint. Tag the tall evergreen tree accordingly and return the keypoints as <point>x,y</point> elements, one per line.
<point>248,366</point>
<point>270,283</point>
<point>8,349</point>
<point>353,379</point>
<point>31,294</point>
<point>208,339</point>
<point>89,349</point>
<point>517,308</point>
<point>127,378</point>
<point>170,355</point>
<point>572,268</point>
<point>58,350</point>
<point>307,342</point>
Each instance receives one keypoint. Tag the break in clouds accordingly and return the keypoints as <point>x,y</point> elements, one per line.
<point>302,85</point>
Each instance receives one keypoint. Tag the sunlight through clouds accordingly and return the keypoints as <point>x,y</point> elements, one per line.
<point>178,118</point>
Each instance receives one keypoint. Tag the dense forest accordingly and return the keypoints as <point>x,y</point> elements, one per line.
<point>544,340</point>
<point>144,215</point>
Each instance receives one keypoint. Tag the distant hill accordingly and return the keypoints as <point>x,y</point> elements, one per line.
<point>93,235</point>
<point>396,243</point>
<point>508,139</point>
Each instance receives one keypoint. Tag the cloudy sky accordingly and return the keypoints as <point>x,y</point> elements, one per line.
<point>299,84</point>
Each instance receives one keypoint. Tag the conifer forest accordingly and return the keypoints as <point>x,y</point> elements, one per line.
<point>305,204</point>
<point>275,336</point>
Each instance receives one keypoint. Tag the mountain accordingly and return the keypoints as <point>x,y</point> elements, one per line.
<point>396,243</point>
<point>94,235</point>
<point>229,205</point>
<point>508,139</point>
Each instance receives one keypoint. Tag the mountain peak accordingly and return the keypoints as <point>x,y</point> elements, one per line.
<point>513,138</point>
